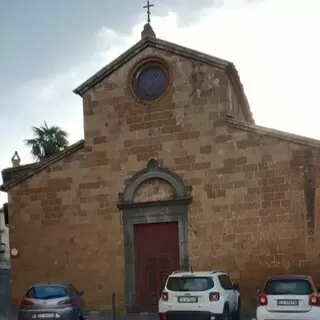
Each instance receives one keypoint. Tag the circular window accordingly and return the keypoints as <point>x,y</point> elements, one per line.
<point>150,81</point>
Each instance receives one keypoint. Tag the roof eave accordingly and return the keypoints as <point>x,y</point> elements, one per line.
<point>26,175</point>
<point>108,69</point>
<point>234,76</point>
<point>278,134</point>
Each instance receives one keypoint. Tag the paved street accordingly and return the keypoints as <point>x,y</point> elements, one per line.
<point>99,316</point>
<point>95,315</point>
<point>4,312</point>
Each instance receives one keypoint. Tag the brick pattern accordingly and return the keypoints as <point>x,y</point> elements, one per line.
<point>254,196</point>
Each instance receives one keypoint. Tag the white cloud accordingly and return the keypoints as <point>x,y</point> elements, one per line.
<point>273,43</point>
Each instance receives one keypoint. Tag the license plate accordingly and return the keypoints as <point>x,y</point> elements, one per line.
<point>46,315</point>
<point>188,299</point>
<point>288,302</point>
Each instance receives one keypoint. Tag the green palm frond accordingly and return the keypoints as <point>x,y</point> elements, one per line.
<point>47,141</point>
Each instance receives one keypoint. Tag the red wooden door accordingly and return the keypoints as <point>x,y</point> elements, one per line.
<point>157,255</point>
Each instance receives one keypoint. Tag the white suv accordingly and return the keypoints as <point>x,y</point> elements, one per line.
<point>209,295</point>
<point>289,297</point>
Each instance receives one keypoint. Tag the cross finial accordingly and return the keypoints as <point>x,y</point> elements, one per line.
<point>148,6</point>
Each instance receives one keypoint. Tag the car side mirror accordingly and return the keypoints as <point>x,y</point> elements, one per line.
<point>80,293</point>
<point>236,286</point>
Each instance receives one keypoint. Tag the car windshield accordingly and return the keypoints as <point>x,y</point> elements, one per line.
<point>288,287</point>
<point>47,292</point>
<point>190,283</point>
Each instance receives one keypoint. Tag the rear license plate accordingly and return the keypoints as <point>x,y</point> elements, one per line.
<point>187,299</point>
<point>46,315</point>
<point>288,302</point>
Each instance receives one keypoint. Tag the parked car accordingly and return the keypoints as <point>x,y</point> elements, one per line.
<point>289,297</point>
<point>52,300</point>
<point>199,295</point>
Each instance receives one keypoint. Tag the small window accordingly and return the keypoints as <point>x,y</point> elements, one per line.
<point>287,287</point>
<point>190,283</point>
<point>225,282</point>
<point>47,292</point>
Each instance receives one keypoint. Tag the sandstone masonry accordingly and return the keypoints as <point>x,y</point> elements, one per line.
<point>255,207</point>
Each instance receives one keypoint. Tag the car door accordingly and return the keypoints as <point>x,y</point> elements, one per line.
<point>227,285</point>
<point>233,292</point>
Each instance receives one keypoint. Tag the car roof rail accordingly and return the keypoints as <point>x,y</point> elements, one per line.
<point>217,271</point>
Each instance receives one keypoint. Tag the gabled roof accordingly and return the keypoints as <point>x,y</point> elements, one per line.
<point>156,43</point>
<point>30,170</point>
<point>10,173</point>
<point>282,135</point>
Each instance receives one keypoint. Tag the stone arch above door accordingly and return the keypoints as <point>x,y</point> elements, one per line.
<point>154,173</point>
<point>170,206</point>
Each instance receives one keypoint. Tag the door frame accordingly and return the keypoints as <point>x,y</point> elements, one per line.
<point>175,227</point>
<point>175,210</point>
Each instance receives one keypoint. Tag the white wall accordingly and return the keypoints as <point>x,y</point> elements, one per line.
<point>4,238</point>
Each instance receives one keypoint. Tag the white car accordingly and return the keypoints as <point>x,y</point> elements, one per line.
<point>207,295</point>
<point>289,298</point>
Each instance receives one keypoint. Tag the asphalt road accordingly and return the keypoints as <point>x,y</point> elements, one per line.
<point>95,315</point>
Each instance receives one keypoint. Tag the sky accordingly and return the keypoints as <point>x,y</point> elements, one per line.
<point>48,48</point>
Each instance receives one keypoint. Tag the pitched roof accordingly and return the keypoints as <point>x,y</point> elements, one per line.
<point>285,136</point>
<point>156,43</point>
<point>10,173</point>
<point>34,168</point>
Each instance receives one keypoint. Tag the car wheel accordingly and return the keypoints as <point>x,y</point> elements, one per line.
<point>80,316</point>
<point>237,313</point>
<point>226,314</point>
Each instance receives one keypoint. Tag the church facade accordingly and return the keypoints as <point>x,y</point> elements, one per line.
<point>172,173</point>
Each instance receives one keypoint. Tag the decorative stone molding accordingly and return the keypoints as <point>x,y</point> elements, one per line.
<point>182,192</point>
<point>143,64</point>
<point>160,211</point>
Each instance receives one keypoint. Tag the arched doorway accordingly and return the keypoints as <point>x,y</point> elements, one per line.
<point>154,207</point>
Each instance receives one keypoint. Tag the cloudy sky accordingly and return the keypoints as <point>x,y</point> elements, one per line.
<point>50,47</point>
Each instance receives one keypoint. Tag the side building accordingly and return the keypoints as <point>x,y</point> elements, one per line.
<point>5,270</point>
<point>4,242</point>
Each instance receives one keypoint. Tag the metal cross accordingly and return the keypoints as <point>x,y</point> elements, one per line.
<point>148,6</point>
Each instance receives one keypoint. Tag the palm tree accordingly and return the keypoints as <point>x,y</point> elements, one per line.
<point>47,141</point>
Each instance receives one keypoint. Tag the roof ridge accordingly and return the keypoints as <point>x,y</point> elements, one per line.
<point>223,62</point>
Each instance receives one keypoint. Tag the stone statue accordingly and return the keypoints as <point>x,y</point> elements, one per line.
<point>15,159</point>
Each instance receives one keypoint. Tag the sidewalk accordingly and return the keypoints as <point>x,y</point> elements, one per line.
<point>97,315</point>
<point>7,317</point>
<point>5,313</point>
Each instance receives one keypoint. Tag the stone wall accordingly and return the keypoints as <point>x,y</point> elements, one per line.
<point>254,208</point>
